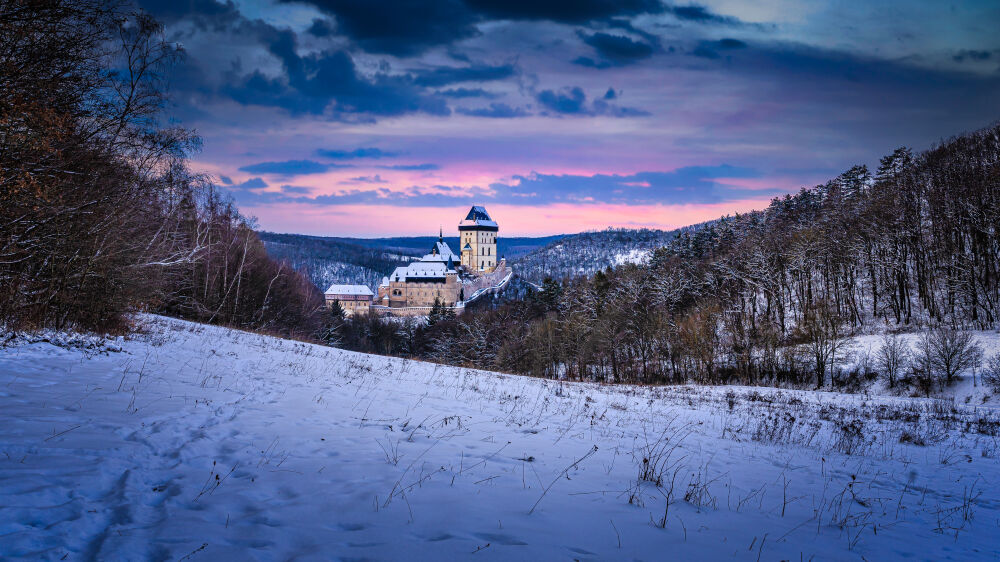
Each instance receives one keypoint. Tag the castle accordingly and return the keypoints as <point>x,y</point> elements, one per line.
<point>442,275</point>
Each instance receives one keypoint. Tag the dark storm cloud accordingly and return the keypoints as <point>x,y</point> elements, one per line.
<point>290,167</point>
<point>618,50</point>
<point>446,75</point>
<point>700,14</point>
<point>563,11</point>
<point>327,81</point>
<point>406,28</point>
<point>400,27</point>
<point>204,14</point>
<point>321,28</point>
<point>495,111</point>
<point>371,152</point>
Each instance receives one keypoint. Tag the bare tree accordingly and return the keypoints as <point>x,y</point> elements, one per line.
<point>893,357</point>
<point>825,338</point>
<point>944,353</point>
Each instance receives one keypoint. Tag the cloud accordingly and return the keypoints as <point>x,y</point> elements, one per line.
<point>290,167</point>
<point>700,14</point>
<point>364,179</point>
<point>589,62</point>
<point>400,27</point>
<point>205,14</point>
<point>561,11</point>
<point>297,189</point>
<point>972,55</point>
<point>729,43</point>
<point>411,167</point>
<point>686,185</point>
<point>445,75</point>
<point>567,101</point>
<point>690,184</point>
<point>710,49</point>
<point>374,153</point>
<point>495,111</point>
<point>468,93</point>
<point>573,101</point>
<point>226,180</point>
<point>321,28</point>
<point>406,28</point>
<point>252,183</point>
<point>618,50</point>
<point>326,82</point>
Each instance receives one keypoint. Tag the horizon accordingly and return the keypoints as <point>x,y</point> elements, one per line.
<point>327,118</point>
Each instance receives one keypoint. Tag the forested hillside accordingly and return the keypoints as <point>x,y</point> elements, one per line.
<point>585,253</point>
<point>327,261</point>
<point>769,297</point>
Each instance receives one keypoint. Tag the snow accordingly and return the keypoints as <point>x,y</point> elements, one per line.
<point>635,255</point>
<point>198,442</point>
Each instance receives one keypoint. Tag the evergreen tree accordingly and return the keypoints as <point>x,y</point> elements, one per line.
<point>334,333</point>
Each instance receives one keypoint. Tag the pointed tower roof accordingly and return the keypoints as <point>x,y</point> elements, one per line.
<point>478,219</point>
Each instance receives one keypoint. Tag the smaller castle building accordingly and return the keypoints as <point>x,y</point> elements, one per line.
<point>354,299</point>
<point>433,277</point>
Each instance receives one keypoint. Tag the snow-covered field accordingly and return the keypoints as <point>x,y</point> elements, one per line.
<point>193,442</point>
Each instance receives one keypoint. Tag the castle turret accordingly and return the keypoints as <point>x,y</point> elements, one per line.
<point>478,240</point>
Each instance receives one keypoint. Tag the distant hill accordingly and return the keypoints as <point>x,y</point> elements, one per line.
<point>508,247</point>
<point>328,260</point>
<point>588,252</point>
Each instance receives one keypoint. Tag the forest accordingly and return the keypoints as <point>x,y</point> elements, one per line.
<point>100,214</point>
<point>766,297</point>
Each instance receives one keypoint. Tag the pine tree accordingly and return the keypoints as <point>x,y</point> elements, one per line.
<point>334,332</point>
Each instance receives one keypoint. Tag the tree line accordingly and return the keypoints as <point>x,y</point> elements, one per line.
<point>768,297</point>
<point>100,215</point>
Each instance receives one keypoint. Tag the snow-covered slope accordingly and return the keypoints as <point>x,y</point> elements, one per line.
<point>588,252</point>
<point>196,442</point>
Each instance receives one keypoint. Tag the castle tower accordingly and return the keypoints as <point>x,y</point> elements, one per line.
<point>478,240</point>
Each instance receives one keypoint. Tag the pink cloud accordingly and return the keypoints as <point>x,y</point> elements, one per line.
<point>385,220</point>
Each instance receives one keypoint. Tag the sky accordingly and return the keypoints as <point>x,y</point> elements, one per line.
<point>391,118</point>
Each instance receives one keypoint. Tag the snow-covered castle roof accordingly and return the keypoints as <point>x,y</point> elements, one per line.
<point>434,265</point>
<point>353,290</point>
<point>441,252</point>
<point>419,270</point>
<point>478,218</point>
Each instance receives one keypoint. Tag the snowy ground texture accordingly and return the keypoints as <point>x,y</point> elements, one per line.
<point>192,442</point>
